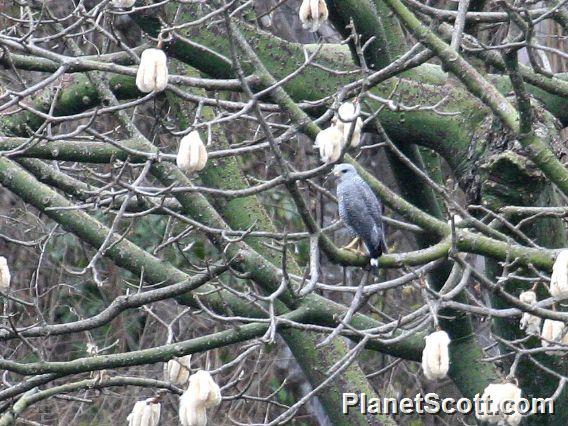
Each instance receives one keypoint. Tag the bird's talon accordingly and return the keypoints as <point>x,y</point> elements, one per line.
<point>356,250</point>
<point>353,245</point>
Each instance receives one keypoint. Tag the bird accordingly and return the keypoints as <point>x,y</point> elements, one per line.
<point>361,212</point>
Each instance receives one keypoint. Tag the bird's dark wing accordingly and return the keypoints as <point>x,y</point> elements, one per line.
<point>373,203</point>
<point>361,212</point>
<point>375,211</point>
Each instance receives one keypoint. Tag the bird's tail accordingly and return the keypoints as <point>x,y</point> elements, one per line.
<point>374,263</point>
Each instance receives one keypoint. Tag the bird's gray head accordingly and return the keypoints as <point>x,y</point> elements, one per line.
<point>344,171</point>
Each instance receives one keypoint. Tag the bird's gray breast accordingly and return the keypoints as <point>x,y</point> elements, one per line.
<point>345,204</point>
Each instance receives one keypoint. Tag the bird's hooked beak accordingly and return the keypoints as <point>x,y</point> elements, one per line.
<point>336,171</point>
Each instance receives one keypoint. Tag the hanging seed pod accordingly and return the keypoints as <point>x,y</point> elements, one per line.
<point>457,220</point>
<point>530,323</point>
<point>202,392</point>
<point>145,413</point>
<point>329,142</point>
<point>347,113</point>
<point>191,413</point>
<point>153,71</point>
<point>5,276</point>
<point>553,332</point>
<point>491,407</point>
<point>204,388</point>
<point>192,154</point>
<point>528,297</point>
<point>313,13</point>
<point>92,349</point>
<point>559,277</point>
<point>177,370</point>
<point>436,356</point>
<point>124,4</point>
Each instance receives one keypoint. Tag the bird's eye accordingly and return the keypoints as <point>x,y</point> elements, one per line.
<point>343,171</point>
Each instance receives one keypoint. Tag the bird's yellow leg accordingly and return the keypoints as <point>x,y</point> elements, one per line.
<point>353,245</point>
<point>356,246</point>
<point>360,249</point>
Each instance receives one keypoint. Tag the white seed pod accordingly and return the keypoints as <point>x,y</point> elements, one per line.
<point>202,392</point>
<point>145,413</point>
<point>346,114</point>
<point>92,349</point>
<point>192,154</point>
<point>329,141</point>
<point>5,276</point>
<point>528,297</point>
<point>457,220</point>
<point>529,323</point>
<point>204,389</point>
<point>553,332</point>
<point>492,404</point>
<point>313,13</point>
<point>436,356</point>
<point>123,3</point>
<point>177,370</point>
<point>153,71</point>
<point>559,277</point>
<point>190,412</point>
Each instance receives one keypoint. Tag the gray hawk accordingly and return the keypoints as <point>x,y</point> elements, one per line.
<point>361,211</point>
